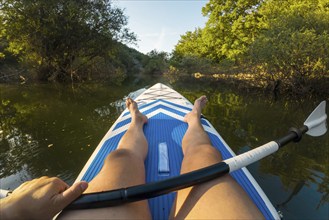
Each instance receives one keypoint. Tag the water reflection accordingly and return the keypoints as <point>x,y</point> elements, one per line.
<point>13,138</point>
<point>250,120</point>
<point>43,129</point>
<point>52,130</point>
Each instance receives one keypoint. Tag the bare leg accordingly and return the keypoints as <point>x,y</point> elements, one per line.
<point>221,198</point>
<point>122,168</point>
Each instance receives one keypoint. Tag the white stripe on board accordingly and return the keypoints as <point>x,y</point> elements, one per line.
<point>152,114</point>
<point>154,105</point>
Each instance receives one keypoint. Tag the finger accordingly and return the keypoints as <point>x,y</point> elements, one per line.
<point>71,194</point>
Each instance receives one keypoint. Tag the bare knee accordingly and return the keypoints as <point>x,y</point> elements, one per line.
<point>199,157</point>
<point>204,150</point>
<point>123,154</point>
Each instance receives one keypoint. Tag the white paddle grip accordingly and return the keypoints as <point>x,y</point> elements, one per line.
<point>252,156</point>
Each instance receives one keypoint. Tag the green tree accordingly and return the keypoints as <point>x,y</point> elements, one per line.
<point>232,26</point>
<point>190,44</point>
<point>294,47</point>
<point>62,38</point>
<point>156,63</point>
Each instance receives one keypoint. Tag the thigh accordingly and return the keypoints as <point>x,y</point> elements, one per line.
<point>222,198</point>
<point>121,169</point>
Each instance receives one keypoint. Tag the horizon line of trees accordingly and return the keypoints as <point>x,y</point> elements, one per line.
<point>282,42</point>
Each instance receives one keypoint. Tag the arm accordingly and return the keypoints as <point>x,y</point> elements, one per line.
<point>40,198</point>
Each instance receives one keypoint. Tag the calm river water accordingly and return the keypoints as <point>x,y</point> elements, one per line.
<point>50,129</point>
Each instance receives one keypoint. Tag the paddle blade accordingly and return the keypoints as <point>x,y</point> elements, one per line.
<point>3,193</point>
<point>317,121</point>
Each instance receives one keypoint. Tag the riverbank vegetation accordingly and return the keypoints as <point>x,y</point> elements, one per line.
<point>59,40</point>
<point>272,45</point>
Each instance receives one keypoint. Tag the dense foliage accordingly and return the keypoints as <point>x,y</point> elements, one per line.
<point>284,41</point>
<point>231,27</point>
<point>294,47</point>
<point>62,39</point>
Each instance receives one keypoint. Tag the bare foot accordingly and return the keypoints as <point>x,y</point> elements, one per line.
<point>136,115</point>
<point>199,104</point>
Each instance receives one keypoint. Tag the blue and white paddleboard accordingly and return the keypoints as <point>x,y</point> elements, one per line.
<point>165,109</point>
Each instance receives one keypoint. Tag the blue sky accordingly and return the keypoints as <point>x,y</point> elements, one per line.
<point>159,24</point>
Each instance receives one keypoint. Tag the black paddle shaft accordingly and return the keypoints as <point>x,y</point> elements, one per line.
<point>294,134</point>
<point>149,190</point>
<point>154,189</point>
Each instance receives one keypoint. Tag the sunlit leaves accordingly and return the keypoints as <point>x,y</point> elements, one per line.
<point>284,42</point>
<point>231,27</point>
<point>295,43</point>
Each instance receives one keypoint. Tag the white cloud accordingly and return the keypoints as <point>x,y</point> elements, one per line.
<point>163,40</point>
<point>157,34</point>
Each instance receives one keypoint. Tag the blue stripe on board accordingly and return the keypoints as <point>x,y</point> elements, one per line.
<point>163,128</point>
<point>109,146</point>
<point>179,106</point>
<point>122,123</point>
<point>204,122</point>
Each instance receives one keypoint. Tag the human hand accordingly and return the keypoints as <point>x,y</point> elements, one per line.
<point>40,198</point>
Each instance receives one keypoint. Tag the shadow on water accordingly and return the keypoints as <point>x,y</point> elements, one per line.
<point>52,130</point>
